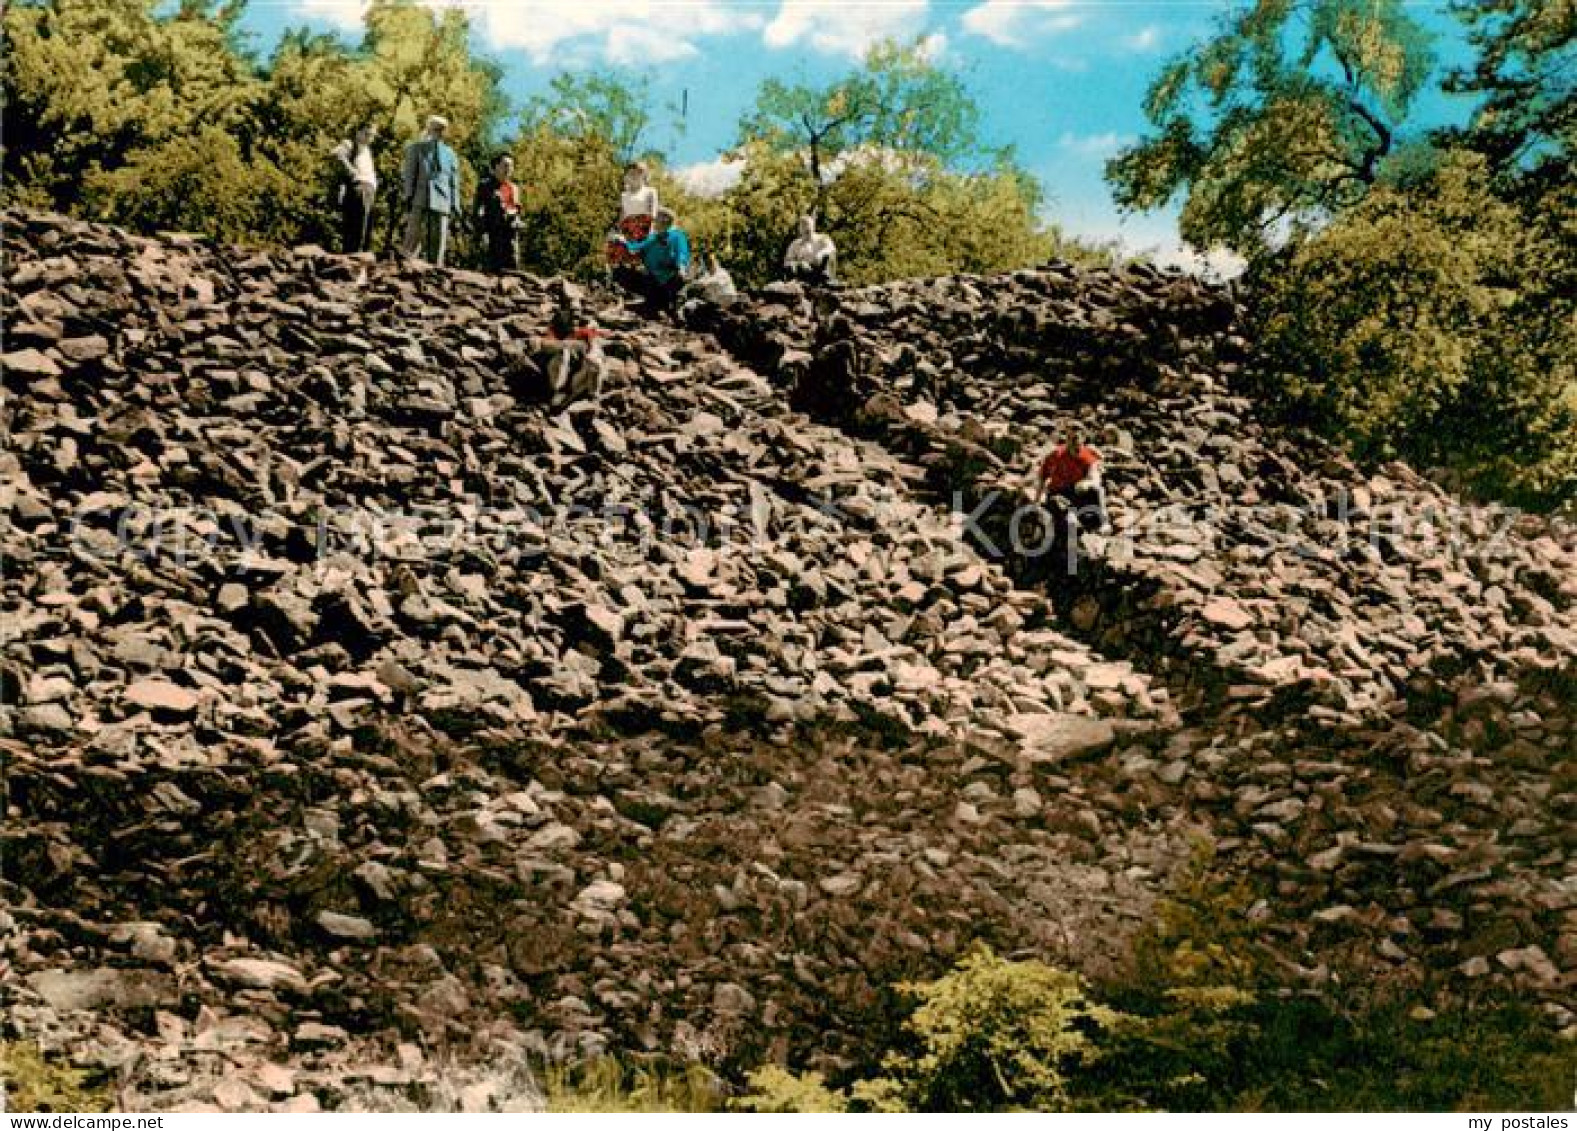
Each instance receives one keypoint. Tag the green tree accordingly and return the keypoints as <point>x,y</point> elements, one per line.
<point>569,200</point>
<point>1284,118</point>
<point>570,151</point>
<point>888,156</point>
<point>891,218</point>
<point>90,83</point>
<point>315,95</point>
<point>415,62</point>
<point>1435,323</point>
<point>898,101</point>
<point>994,221</point>
<point>126,110</point>
<point>1523,70</point>
<point>596,108</point>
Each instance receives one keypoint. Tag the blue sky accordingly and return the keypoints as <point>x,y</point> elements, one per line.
<point>1060,80</point>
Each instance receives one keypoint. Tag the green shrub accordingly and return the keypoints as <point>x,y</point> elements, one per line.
<point>1200,935</point>
<point>776,1089</point>
<point>993,1035</point>
<point>30,1081</point>
<point>1434,322</point>
<point>608,1084</point>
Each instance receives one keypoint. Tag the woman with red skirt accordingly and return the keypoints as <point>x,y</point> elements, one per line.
<point>637,206</point>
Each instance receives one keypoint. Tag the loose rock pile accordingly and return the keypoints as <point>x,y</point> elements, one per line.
<point>358,706</point>
<point>1377,680</point>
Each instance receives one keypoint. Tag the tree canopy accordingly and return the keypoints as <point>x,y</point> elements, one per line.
<point>127,111</point>
<point>1524,72</point>
<point>897,102</point>
<point>594,107</point>
<point>1427,323</point>
<point>888,156</point>
<point>131,111</point>
<point>1282,118</point>
<point>1411,288</point>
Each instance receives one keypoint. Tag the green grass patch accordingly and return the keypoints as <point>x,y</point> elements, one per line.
<point>611,1085</point>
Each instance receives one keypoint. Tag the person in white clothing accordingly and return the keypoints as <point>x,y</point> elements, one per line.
<point>357,189</point>
<point>812,257</point>
<point>637,210</point>
<point>714,286</point>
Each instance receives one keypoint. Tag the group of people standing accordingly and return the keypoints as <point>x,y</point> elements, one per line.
<point>429,190</point>
<point>647,252</point>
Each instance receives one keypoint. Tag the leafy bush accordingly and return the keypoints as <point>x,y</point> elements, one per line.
<point>1433,322</point>
<point>993,1035</point>
<point>30,1081</point>
<point>774,1089</point>
<point>608,1084</point>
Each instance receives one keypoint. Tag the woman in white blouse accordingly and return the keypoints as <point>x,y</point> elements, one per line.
<point>637,207</point>
<point>358,188</point>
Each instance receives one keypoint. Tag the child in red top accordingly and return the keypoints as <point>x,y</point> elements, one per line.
<point>1068,464</point>
<point>570,357</point>
<point>1071,473</point>
<point>1065,467</point>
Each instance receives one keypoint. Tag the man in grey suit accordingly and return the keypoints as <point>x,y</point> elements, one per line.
<point>430,188</point>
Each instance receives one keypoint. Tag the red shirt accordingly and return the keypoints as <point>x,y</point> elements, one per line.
<point>579,334</point>
<point>1062,469</point>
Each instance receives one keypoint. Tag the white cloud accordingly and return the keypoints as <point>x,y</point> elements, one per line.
<point>1149,235</point>
<point>844,29</point>
<point>710,178</point>
<point>627,32</point>
<point>341,13</point>
<point>1094,145</point>
<point>624,32</point>
<point>933,48</point>
<point>1015,23</point>
<point>864,156</point>
<point>1144,40</point>
<point>1217,263</point>
<point>631,45</point>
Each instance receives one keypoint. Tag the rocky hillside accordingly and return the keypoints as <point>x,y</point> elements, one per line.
<point>360,714</point>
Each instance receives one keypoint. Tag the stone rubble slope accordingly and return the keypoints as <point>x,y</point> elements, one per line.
<point>345,778</point>
<point>1268,558</point>
<point>1377,680</point>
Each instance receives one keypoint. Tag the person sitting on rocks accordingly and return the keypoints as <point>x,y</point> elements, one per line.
<point>812,257</point>
<point>637,211</point>
<point>571,357</point>
<point>1072,491</point>
<point>713,288</point>
<point>564,365</point>
<point>666,256</point>
<point>1071,473</point>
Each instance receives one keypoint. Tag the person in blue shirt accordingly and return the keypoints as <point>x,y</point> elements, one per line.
<point>430,192</point>
<point>666,256</point>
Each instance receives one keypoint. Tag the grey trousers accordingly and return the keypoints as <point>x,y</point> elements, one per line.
<point>429,231</point>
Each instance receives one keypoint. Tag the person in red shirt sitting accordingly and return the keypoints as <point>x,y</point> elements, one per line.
<point>1070,486</point>
<point>570,357</point>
